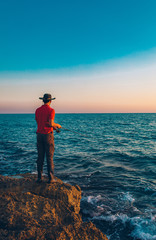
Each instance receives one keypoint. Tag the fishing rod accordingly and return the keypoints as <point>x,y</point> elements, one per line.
<point>84,135</point>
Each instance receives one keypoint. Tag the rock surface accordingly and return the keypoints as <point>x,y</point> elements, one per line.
<point>42,211</point>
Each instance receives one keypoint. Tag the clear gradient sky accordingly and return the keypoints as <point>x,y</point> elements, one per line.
<point>93,56</point>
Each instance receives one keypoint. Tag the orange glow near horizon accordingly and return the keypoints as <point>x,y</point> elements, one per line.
<point>72,107</point>
<point>100,89</point>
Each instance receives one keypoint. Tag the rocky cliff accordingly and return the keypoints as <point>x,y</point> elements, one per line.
<point>42,211</point>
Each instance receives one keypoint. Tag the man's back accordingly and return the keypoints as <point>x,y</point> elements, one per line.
<point>42,115</point>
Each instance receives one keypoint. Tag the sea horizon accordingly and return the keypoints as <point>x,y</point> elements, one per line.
<point>90,113</point>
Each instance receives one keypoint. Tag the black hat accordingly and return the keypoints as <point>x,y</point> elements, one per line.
<point>47,96</point>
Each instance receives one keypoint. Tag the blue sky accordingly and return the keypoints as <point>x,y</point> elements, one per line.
<point>67,41</point>
<point>51,34</point>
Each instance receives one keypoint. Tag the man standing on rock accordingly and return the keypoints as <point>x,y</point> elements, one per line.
<point>44,116</point>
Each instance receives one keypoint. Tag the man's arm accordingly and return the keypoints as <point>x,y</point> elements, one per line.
<point>53,124</point>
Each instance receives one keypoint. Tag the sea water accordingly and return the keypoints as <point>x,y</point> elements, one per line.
<point>114,164</point>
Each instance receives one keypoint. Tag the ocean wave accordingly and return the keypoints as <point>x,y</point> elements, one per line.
<point>143,229</point>
<point>120,216</point>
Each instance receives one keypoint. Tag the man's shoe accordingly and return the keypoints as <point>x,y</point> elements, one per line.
<point>50,181</point>
<point>39,180</point>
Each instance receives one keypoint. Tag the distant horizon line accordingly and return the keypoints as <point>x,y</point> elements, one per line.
<point>90,113</point>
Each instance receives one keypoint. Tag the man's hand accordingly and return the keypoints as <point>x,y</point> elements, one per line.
<point>57,130</point>
<point>54,125</point>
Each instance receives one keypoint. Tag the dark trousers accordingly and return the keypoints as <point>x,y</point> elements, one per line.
<point>45,146</point>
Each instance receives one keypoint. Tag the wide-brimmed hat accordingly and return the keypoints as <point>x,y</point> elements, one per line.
<point>47,96</point>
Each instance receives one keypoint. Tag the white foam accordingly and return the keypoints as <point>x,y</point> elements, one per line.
<point>128,197</point>
<point>143,226</point>
<point>34,172</point>
<point>144,229</point>
<point>90,199</point>
<point>93,199</point>
<point>112,218</point>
